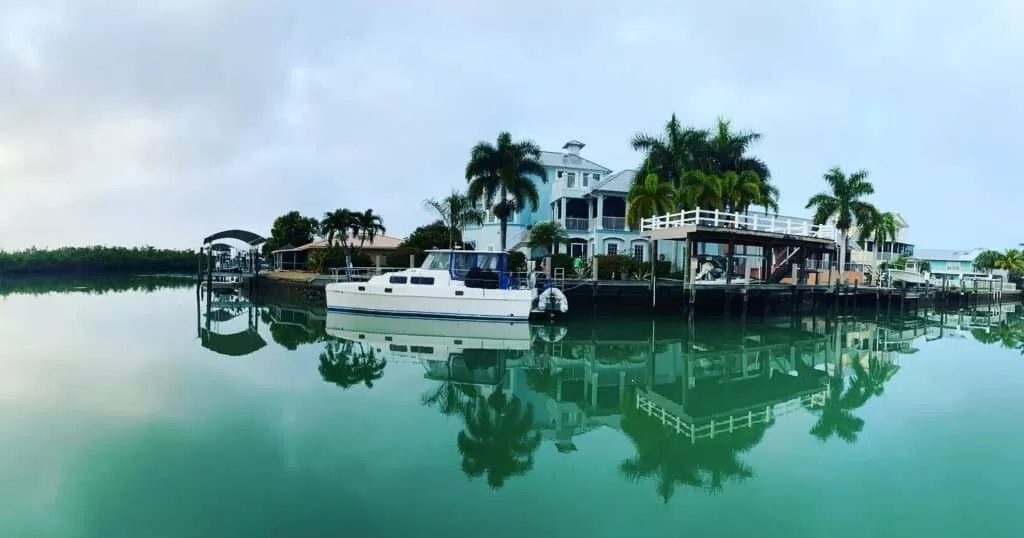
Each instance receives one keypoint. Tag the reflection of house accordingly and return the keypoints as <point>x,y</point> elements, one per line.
<point>290,258</point>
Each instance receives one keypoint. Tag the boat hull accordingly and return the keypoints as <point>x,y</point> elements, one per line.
<point>430,302</point>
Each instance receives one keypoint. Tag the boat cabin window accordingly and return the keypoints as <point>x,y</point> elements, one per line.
<point>397,280</point>
<point>428,280</point>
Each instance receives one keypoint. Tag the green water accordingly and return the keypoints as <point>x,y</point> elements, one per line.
<point>129,414</point>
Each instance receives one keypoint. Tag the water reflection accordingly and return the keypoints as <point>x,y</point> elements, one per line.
<point>231,325</point>
<point>693,399</point>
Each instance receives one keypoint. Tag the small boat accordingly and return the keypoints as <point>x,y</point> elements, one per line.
<point>450,284</point>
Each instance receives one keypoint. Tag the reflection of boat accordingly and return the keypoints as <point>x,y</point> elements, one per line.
<point>429,339</point>
<point>451,284</point>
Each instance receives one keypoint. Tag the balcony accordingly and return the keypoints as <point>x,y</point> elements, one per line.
<point>613,223</point>
<point>577,225</point>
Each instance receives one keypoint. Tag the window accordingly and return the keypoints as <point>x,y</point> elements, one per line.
<point>397,280</point>
<point>612,249</point>
<point>595,177</point>
<point>428,280</point>
<point>570,182</point>
<point>559,174</point>
<point>398,348</point>
<point>638,252</point>
<point>586,180</point>
<point>421,349</point>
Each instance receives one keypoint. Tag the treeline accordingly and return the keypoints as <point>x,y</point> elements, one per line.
<point>97,260</point>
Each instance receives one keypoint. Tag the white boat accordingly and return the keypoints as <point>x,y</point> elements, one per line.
<point>450,284</point>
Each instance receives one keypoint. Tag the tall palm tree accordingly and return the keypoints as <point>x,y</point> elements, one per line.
<point>702,190</point>
<point>548,235</point>
<point>727,153</point>
<point>368,225</point>
<point>498,439</point>
<point>500,175</point>
<point>671,153</point>
<point>456,211</point>
<point>1012,260</point>
<point>648,198</point>
<point>844,202</point>
<point>340,222</point>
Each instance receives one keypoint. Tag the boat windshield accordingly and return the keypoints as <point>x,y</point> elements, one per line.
<point>436,261</point>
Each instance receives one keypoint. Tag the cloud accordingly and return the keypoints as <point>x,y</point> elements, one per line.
<point>160,122</point>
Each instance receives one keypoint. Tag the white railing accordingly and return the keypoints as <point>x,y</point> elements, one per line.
<point>613,223</point>
<point>722,219</point>
<point>577,224</point>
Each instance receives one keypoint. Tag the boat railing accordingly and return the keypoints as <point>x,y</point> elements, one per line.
<point>360,274</point>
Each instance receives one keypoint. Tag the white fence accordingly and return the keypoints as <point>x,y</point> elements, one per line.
<point>739,221</point>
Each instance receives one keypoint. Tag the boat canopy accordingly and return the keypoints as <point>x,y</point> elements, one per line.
<point>478,268</point>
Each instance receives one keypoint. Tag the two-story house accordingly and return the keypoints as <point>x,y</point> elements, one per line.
<point>588,199</point>
<point>866,254</point>
<point>957,265</point>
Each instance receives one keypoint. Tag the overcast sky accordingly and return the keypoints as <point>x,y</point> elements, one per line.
<point>159,122</point>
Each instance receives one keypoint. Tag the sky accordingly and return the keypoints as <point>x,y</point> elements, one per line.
<point>161,122</point>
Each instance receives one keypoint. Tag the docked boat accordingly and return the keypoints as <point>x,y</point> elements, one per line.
<point>450,284</point>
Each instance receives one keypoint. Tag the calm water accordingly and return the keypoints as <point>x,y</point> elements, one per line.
<point>123,414</point>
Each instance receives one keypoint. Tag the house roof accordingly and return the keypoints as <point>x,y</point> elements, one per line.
<point>620,181</point>
<point>381,242</point>
<point>565,160</point>
<point>967,255</point>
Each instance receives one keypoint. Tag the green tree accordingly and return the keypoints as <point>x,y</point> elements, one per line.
<point>746,179</point>
<point>669,155</point>
<point>456,212</point>
<point>292,229</point>
<point>1013,261</point>
<point>649,198</point>
<point>878,226</point>
<point>844,202</point>
<point>500,175</point>
<point>548,235</point>
<point>430,236</point>
<point>987,259</point>
<point>368,226</point>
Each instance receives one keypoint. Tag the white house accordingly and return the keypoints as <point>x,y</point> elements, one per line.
<point>590,202</point>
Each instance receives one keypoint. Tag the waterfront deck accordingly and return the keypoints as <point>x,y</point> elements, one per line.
<point>721,227</point>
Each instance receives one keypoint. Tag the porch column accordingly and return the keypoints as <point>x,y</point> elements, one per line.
<point>561,214</point>
<point>600,212</point>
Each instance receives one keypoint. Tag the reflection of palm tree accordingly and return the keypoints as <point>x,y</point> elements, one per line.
<point>346,364</point>
<point>498,439</point>
<point>673,459</point>
<point>450,398</point>
<point>835,418</point>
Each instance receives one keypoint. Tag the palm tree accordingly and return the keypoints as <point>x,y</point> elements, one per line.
<point>500,175</point>
<point>835,418</point>
<point>368,226</point>
<point>340,222</point>
<point>672,153</point>
<point>727,153</point>
<point>845,204</point>
<point>498,439</point>
<point>700,190</point>
<point>548,235</point>
<point>1012,260</point>
<point>741,190</point>
<point>648,198</point>
<point>456,211</point>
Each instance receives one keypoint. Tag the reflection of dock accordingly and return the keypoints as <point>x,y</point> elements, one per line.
<point>674,417</point>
